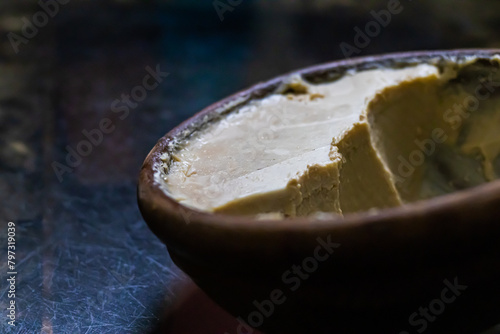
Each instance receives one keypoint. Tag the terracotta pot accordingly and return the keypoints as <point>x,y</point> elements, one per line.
<point>384,270</point>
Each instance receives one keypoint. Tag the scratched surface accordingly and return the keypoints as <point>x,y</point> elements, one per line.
<point>86,261</point>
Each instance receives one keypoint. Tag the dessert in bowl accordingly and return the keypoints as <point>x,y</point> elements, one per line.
<point>341,198</point>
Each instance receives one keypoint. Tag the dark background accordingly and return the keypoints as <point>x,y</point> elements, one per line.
<point>86,261</point>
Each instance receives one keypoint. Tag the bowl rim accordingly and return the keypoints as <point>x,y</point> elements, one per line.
<point>158,207</point>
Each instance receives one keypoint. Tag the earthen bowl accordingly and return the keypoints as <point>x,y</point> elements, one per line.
<point>389,268</point>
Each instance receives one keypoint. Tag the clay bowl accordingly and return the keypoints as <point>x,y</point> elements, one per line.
<point>429,266</point>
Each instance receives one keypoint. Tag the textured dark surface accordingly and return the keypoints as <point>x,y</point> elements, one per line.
<point>86,261</point>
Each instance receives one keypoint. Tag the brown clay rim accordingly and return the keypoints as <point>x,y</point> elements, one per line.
<point>153,200</point>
